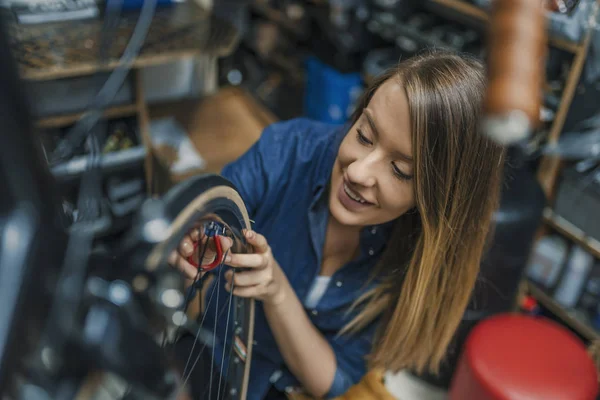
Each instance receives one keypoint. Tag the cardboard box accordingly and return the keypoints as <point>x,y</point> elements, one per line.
<point>221,127</point>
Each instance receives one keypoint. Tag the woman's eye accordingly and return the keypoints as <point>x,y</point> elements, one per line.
<point>399,174</point>
<point>362,138</point>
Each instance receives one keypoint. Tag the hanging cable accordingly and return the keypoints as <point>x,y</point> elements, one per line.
<point>72,278</point>
<point>109,90</point>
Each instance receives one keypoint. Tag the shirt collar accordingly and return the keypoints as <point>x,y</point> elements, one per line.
<point>326,163</point>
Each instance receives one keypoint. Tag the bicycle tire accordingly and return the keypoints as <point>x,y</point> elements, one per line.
<point>190,201</point>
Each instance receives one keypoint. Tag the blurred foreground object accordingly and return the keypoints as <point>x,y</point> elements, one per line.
<point>511,357</point>
<point>517,48</point>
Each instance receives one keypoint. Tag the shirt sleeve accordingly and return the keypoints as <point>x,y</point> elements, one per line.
<point>350,351</point>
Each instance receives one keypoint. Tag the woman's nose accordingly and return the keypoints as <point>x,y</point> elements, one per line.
<point>362,172</point>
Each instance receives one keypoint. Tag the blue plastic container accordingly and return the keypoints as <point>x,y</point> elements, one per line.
<point>330,96</point>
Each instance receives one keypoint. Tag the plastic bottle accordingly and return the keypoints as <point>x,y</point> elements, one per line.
<point>571,286</point>
<point>549,256</point>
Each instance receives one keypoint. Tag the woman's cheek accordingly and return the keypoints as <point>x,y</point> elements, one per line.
<point>346,149</point>
<point>397,197</point>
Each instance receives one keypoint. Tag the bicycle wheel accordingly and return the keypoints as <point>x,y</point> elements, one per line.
<point>200,202</point>
<point>205,202</point>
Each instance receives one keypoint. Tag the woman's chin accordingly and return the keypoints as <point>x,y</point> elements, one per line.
<point>346,217</point>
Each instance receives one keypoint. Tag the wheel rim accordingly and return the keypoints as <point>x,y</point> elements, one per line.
<point>201,210</point>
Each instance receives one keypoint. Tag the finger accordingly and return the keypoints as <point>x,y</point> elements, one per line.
<point>185,267</point>
<point>198,235</point>
<point>246,260</point>
<point>172,259</point>
<point>248,291</point>
<point>228,275</point>
<point>252,277</point>
<point>258,241</point>
<point>195,234</point>
<point>226,243</point>
<point>206,247</point>
<point>178,262</point>
<point>186,246</point>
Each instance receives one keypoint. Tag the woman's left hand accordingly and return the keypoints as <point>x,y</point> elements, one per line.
<point>263,278</point>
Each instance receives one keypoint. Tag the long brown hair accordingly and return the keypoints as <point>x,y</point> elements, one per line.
<point>432,260</point>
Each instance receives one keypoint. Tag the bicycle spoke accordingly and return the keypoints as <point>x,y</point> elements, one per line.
<point>217,315</point>
<point>228,308</point>
<point>164,339</point>
<point>197,277</point>
<point>226,331</point>
<point>212,357</point>
<point>220,315</point>
<point>213,291</point>
<point>227,370</point>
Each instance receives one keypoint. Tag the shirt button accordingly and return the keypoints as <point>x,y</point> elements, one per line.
<point>254,343</point>
<point>338,284</point>
<point>373,230</point>
<point>314,312</point>
<point>275,376</point>
<point>371,251</point>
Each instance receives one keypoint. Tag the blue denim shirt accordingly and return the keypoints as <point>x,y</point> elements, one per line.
<point>283,180</point>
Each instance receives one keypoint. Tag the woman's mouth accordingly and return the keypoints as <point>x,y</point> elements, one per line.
<point>353,195</point>
<point>350,199</point>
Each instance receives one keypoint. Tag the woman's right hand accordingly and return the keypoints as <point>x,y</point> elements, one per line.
<point>179,258</point>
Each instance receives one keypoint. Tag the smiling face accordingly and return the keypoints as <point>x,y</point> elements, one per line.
<point>456,175</point>
<point>371,182</point>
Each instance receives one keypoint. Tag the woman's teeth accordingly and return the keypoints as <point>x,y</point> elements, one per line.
<point>353,196</point>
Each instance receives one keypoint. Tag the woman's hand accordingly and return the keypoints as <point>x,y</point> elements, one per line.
<point>179,258</point>
<point>261,277</point>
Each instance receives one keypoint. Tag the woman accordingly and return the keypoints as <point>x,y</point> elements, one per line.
<point>368,239</point>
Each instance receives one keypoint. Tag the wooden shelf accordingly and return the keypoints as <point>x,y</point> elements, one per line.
<point>68,119</point>
<point>573,233</point>
<point>550,165</point>
<point>564,315</point>
<point>464,8</point>
<point>564,44</point>
<point>56,50</point>
<point>482,15</point>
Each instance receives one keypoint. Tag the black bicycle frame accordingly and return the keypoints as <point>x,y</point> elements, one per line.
<point>32,242</point>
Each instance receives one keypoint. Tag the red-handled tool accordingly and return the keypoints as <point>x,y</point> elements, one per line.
<point>218,258</point>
